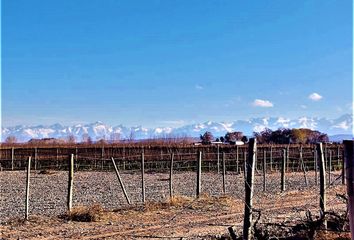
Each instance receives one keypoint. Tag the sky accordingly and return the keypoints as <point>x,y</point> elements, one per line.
<point>170,63</point>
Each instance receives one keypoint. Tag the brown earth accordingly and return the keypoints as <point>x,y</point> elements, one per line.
<point>203,218</point>
<point>182,217</point>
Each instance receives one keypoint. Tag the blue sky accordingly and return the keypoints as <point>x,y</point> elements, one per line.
<point>168,63</point>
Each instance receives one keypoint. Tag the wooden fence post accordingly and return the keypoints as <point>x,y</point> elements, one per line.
<point>330,167</point>
<point>250,166</point>
<point>237,160</point>
<point>349,159</point>
<point>271,158</point>
<point>218,158</point>
<point>27,187</point>
<point>303,166</point>
<point>199,174</point>
<point>35,158</point>
<point>57,158</point>
<point>142,177</point>
<point>120,181</point>
<point>322,180</point>
<point>287,158</point>
<point>12,158</point>
<point>70,182</point>
<point>171,176</point>
<point>283,166</point>
<point>264,170</point>
<point>316,165</point>
<point>223,173</point>
<point>300,156</point>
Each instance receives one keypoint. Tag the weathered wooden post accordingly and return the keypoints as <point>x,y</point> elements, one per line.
<point>218,158</point>
<point>12,158</point>
<point>171,176</point>
<point>120,181</point>
<point>27,187</point>
<point>315,165</point>
<point>349,159</point>
<point>322,180</point>
<point>250,168</point>
<point>287,158</point>
<point>303,166</point>
<point>142,177</point>
<point>283,166</point>
<point>300,156</point>
<point>271,158</point>
<point>123,153</point>
<point>70,183</point>
<point>57,158</point>
<point>35,158</point>
<point>223,173</point>
<point>264,170</point>
<point>237,160</point>
<point>199,174</point>
<point>329,167</point>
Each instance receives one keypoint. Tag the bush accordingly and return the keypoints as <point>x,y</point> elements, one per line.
<point>92,213</point>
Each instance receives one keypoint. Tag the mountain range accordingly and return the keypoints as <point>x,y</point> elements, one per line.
<point>338,129</point>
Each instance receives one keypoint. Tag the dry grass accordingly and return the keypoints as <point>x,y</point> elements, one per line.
<point>212,203</point>
<point>179,201</point>
<point>204,202</point>
<point>92,213</point>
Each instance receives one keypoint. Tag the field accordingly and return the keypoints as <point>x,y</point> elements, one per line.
<point>103,211</point>
<point>208,216</point>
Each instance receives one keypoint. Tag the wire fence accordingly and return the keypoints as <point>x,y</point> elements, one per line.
<point>99,158</point>
<point>148,176</point>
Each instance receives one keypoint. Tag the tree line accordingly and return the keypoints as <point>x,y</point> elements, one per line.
<point>279,136</point>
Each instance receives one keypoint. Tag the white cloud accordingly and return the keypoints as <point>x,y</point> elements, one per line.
<point>199,87</point>
<point>315,97</point>
<point>262,103</point>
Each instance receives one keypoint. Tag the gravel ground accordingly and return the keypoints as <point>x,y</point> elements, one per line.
<point>48,191</point>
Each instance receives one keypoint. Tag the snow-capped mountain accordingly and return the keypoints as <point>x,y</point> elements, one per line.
<point>99,130</point>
